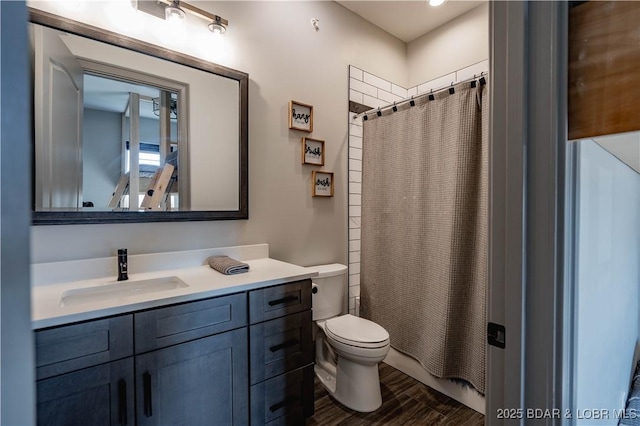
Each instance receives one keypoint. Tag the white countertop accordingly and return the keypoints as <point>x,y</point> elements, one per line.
<point>47,309</point>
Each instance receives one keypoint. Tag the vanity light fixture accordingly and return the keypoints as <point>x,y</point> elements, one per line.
<point>176,10</point>
<point>217,27</point>
<point>173,12</point>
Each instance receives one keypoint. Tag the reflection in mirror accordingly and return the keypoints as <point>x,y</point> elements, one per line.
<point>113,129</point>
<point>126,136</point>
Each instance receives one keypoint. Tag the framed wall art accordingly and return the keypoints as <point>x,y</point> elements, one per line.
<point>300,116</point>
<point>313,151</point>
<point>322,184</point>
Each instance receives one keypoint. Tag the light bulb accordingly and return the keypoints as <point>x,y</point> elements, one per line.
<point>173,13</point>
<point>217,28</point>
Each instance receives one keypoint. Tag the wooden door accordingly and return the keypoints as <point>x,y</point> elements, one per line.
<point>97,396</point>
<point>58,106</point>
<point>202,382</point>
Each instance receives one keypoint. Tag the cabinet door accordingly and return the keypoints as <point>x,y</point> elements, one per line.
<point>202,382</point>
<point>97,396</point>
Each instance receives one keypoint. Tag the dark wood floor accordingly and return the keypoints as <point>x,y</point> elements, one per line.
<point>405,401</point>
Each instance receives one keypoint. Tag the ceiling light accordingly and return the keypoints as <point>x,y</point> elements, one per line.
<point>217,27</point>
<point>173,12</point>
<point>435,3</point>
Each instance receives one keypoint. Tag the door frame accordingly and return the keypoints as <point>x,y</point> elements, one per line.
<point>505,298</point>
<point>528,51</point>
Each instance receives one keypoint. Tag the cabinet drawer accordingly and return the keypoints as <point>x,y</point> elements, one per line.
<point>72,347</point>
<point>280,345</point>
<point>168,326</point>
<point>286,399</point>
<point>273,302</point>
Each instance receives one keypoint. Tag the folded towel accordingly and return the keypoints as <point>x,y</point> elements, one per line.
<point>227,265</point>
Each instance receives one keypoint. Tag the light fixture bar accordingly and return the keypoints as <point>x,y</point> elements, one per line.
<point>157,8</point>
<point>198,12</point>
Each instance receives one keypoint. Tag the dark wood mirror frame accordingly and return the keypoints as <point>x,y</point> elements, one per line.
<point>84,217</point>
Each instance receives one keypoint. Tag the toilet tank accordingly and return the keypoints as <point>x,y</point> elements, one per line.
<point>329,299</point>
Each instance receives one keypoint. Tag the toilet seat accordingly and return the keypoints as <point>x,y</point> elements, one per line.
<point>355,331</point>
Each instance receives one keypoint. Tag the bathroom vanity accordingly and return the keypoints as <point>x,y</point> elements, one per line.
<point>236,351</point>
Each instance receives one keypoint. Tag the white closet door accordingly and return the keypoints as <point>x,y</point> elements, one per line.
<point>58,106</point>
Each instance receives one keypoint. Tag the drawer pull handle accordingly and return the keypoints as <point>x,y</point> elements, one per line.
<point>288,400</point>
<point>283,345</point>
<point>122,402</point>
<point>148,403</point>
<point>283,300</point>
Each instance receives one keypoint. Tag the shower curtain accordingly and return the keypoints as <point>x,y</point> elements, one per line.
<point>424,230</point>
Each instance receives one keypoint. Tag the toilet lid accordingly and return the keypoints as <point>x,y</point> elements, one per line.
<point>356,331</point>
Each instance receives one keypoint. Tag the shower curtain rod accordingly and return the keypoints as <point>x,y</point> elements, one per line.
<point>430,93</point>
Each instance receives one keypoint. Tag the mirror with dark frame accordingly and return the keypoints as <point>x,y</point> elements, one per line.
<point>114,116</point>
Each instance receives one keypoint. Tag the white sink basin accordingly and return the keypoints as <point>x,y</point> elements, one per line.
<point>119,289</point>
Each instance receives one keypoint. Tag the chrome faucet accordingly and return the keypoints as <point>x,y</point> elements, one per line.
<point>122,265</point>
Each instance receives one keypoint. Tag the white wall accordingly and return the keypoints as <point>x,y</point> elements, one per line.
<point>455,45</point>
<point>608,258</point>
<point>285,60</point>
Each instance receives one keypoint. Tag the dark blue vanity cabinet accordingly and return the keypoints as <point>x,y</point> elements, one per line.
<point>281,354</point>
<point>244,358</point>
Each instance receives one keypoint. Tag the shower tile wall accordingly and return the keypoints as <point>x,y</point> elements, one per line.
<point>373,91</point>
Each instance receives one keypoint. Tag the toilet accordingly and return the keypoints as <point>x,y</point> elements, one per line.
<point>348,348</point>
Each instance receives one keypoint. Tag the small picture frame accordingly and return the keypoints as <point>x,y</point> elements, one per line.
<point>313,151</point>
<point>300,116</point>
<point>322,184</point>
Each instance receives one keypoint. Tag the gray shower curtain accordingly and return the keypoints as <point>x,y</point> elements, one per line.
<point>424,230</point>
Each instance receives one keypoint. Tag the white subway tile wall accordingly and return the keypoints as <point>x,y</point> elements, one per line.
<point>380,83</point>
<point>355,73</point>
<point>374,92</point>
<point>437,83</point>
<point>355,96</point>
<point>399,90</point>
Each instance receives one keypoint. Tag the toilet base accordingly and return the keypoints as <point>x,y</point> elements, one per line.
<point>355,386</point>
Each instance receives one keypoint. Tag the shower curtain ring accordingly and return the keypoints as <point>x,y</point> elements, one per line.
<point>379,113</point>
<point>431,97</point>
<point>451,89</point>
<point>412,102</point>
<point>395,108</point>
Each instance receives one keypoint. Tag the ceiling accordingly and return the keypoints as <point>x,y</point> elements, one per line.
<point>624,146</point>
<point>408,20</point>
<point>105,94</point>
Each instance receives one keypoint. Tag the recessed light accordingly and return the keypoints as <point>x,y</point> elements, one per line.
<point>435,3</point>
